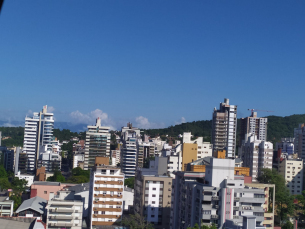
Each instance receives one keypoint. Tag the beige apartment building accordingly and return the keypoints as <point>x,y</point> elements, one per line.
<point>269,204</point>
<point>292,170</point>
<point>105,194</point>
<point>152,197</point>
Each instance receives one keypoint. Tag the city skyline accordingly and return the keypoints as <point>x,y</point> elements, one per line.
<point>154,64</point>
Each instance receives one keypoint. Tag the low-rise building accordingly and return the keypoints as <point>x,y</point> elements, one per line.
<point>64,210</point>
<point>29,178</point>
<point>34,207</point>
<point>78,159</point>
<point>106,193</point>
<point>43,189</point>
<point>6,205</point>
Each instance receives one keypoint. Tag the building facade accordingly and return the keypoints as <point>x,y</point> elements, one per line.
<point>105,194</point>
<point>292,171</point>
<point>224,125</point>
<point>38,132</point>
<point>129,150</point>
<point>256,154</point>
<point>64,211</point>
<point>254,125</point>
<point>97,143</point>
<point>214,197</point>
<point>152,198</point>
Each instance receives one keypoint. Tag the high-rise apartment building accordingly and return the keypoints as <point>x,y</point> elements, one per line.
<point>224,125</point>
<point>97,143</point>
<point>38,132</point>
<point>129,150</point>
<point>256,154</point>
<point>105,194</point>
<point>292,171</point>
<point>286,145</point>
<point>299,141</point>
<point>253,125</point>
<point>214,197</point>
<point>152,195</point>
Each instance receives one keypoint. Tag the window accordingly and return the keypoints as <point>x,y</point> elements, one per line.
<point>154,189</point>
<point>103,212</point>
<point>153,202</point>
<point>95,212</point>
<point>153,195</point>
<point>45,192</point>
<point>152,216</point>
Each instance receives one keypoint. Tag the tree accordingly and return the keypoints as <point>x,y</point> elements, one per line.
<point>19,185</point>
<point>57,177</point>
<point>136,221</point>
<point>287,225</point>
<point>283,199</point>
<point>17,200</point>
<point>3,173</point>
<point>129,182</point>
<point>4,183</point>
<point>196,226</point>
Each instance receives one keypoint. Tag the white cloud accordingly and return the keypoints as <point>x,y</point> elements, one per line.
<point>29,113</point>
<point>182,120</point>
<point>8,125</point>
<point>90,118</point>
<point>51,109</point>
<point>144,123</point>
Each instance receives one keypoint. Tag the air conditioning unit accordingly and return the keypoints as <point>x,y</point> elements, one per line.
<point>104,194</point>
<point>119,195</point>
<point>118,216</point>
<point>95,214</point>
<point>111,195</point>
<point>96,201</point>
<point>105,181</point>
<point>103,201</point>
<point>95,194</point>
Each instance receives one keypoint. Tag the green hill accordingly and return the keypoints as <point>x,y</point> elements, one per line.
<point>278,127</point>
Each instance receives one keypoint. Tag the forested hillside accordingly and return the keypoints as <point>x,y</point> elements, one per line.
<point>278,127</point>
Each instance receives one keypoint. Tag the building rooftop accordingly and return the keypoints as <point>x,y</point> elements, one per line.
<point>79,188</point>
<point>9,224</point>
<point>36,203</point>
<point>46,183</point>
<point>5,199</point>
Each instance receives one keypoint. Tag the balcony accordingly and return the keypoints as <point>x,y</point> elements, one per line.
<point>61,217</point>
<point>69,210</point>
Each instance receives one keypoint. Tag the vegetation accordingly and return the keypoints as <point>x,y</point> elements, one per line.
<point>66,135</point>
<point>79,176</point>
<point>129,182</point>
<point>278,127</point>
<point>17,185</point>
<point>15,135</point>
<point>69,148</point>
<point>283,199</point>
<point>196,226</point>
<point>57,177</point>
<point>136,222</point>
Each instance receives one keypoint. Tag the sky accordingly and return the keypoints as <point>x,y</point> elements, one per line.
<point>154,63</point>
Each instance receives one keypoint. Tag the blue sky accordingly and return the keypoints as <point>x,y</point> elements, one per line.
<point>153,63</point>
